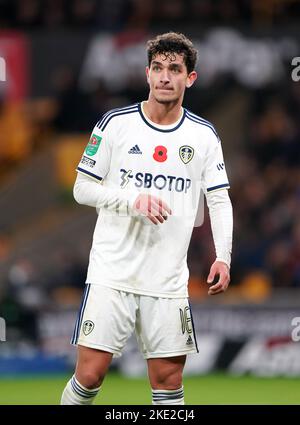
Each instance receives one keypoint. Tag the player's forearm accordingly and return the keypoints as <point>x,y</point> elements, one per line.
<point>89,192</point>
<point>220,211</point>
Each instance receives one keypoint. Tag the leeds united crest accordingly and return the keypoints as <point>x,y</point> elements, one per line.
<point>87,327</point>
<point>186,154</point>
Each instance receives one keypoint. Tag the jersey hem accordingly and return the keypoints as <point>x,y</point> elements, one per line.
<point>139,292</point>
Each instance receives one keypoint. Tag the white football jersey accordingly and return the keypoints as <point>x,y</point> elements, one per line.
<point>174,162</point>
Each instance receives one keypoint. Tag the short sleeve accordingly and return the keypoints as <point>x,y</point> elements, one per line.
<point>95,161</point>
<point>214,175</point>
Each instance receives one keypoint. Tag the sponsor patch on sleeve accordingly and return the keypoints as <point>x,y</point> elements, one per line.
<point>93,145</point>
<point>88,161</point>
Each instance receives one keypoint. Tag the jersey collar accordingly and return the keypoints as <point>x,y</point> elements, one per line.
<point>158,127</point>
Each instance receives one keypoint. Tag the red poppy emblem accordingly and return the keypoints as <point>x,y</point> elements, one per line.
<point>160,154</point>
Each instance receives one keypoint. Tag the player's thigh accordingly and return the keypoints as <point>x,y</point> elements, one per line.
<point>92,365</point>
<point>166,373</point>
<point>106,319</point>
<point>165,327</point>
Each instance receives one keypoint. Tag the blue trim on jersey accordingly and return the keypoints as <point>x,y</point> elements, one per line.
<point>200,118</point>
<point>159,129</point>
<point>80,314</point>
<point>193,328</point>
<point>89,173</point>
<point>209,189</point>
<point>112,111</point>
<point>115,115</point>
<point>201,121</point>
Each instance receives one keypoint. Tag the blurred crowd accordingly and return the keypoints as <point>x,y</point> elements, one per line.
<point>114,15</point>
<point>30,291</point>
<point>267,189</point>
<point>265,192</point>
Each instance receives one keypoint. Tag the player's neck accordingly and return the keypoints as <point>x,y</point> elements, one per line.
<point>162,113</point>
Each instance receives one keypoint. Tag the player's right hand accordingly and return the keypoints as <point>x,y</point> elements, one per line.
<point>154,208</point>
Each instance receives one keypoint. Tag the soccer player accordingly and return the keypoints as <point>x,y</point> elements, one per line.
<point>143,169</point>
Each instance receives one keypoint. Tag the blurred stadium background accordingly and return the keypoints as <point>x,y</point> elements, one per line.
<point>67,62</point>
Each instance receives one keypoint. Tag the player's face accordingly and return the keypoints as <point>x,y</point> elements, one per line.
<point>168,77</point>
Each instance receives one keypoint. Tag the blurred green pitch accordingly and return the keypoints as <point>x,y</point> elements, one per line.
<point>116,389</point>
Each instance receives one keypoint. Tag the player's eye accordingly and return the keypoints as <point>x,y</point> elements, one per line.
<point>156,68</point>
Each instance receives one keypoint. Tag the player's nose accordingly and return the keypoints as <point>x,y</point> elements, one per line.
<point>164,76</point>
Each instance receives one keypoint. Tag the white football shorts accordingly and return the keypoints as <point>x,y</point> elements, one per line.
<point>107,318</point>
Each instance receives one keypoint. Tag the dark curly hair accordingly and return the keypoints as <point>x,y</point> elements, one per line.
<point>171,43</point>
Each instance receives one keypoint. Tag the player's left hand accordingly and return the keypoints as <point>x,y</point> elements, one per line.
<point>220,269</point>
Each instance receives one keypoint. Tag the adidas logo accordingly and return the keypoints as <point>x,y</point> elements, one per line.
<point>135,149</point>
<point>189,341</point>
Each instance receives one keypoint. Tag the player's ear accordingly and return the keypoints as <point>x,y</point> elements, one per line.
<point>192,77</point>
<point>147,74</point>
